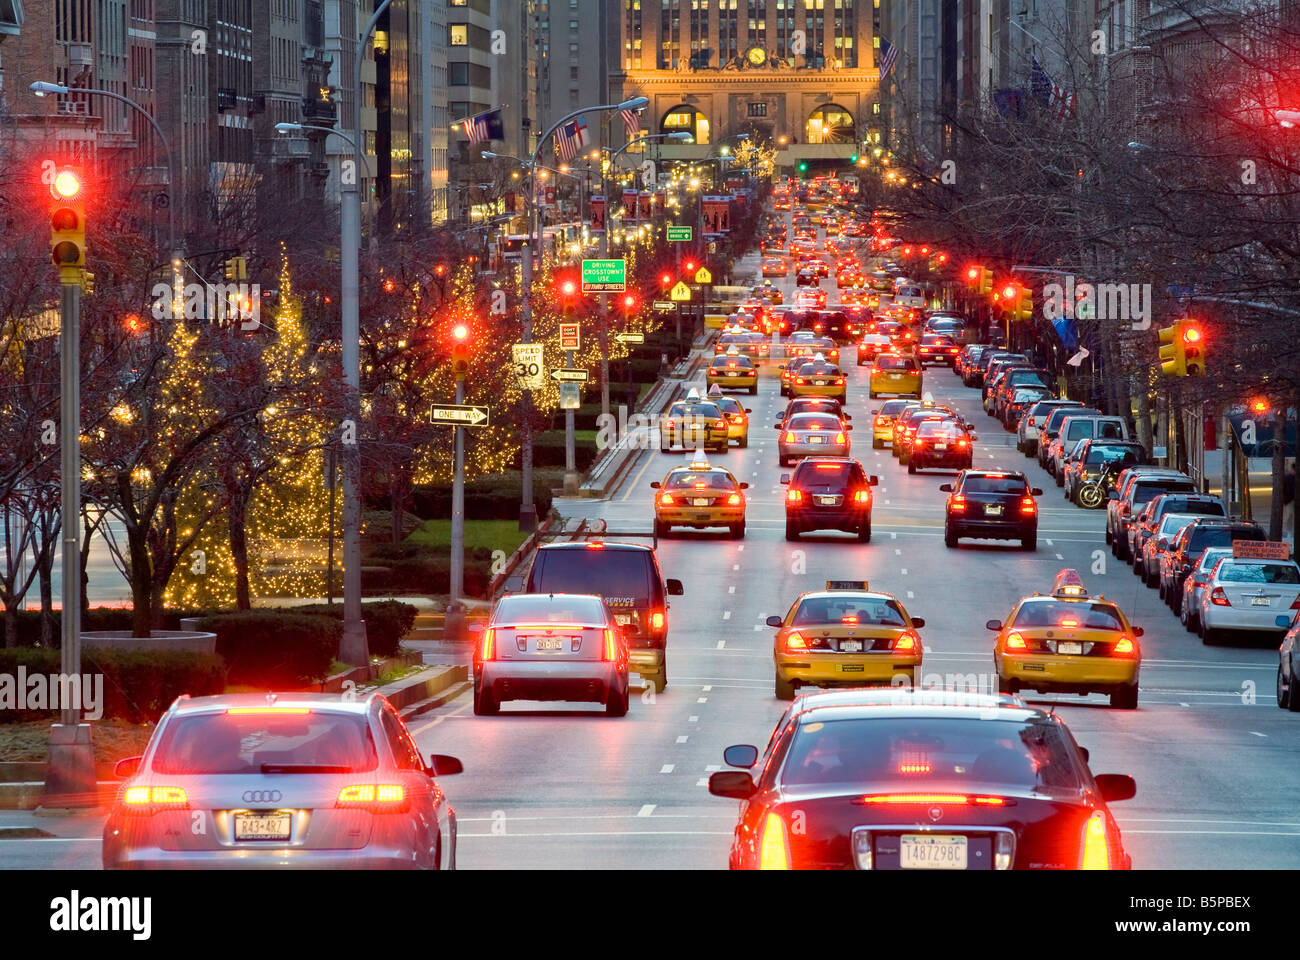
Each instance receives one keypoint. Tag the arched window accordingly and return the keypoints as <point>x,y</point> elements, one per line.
<point>686,119</point>
<point>830,124</point>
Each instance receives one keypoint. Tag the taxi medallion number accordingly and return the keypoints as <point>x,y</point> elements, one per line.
<point>925,852</point>
<point>251,826</point>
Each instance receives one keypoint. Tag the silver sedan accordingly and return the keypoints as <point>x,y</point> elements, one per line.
<point>812,435</point>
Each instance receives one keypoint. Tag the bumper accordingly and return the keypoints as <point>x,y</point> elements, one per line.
<point>737,431</point>
<point>812,390</point>
<point>155,858</point>
<point>901,387</point>
<point>812,449</point>
<point>947,458</point>
<point>589,680</point>
<point>883,434</point>
<point>848,669</point>
<point>713,438</point>
<point>1245,619</point>
<point>1068,672</point>
<point>702,516</point>
<point>733,383</point>
<point>828,518</point>
<point>994,529</point>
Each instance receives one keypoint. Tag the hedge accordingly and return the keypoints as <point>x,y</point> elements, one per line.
<point>271,648</point>
<point>387,621</point>
<point>96,618</point>
<point>138,685</point>
<point>416,569</point>
<point>486,498</point>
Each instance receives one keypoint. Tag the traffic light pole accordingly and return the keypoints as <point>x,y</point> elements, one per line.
<point>570,461</point>
<point>457,587</point>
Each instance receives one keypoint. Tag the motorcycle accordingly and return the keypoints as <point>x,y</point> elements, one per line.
<point>1093,493</point>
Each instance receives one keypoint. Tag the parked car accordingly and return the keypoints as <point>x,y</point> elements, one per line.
<point>1034,418</point>
<point>1136,487</point>
<point>1177,562</point>
<point>1076,427</point>
<point>1189,614</point>
<point>1092,457</point>
<point>1244,597</point>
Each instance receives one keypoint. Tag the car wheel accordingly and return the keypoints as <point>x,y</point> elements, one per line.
<point>1293,703</point>
<point>1283,694</point>
<point>864,531</point>
<point>911,467</point>
<point>616,703</point>
<point>485,704</point>
<point>1060,481</point>
<point>1175,601</point>
<point>1126,698</point>
<point>949,537</point>
<point>660,679</point>
<point>871,394</point>
<point>877,444</point>
<point>784,461</point>
<point>784,688</point>
<point>662,529</point>
<point>1007,686</point>
<point>665,449</point>
<point>738,531</point>
<point>791,531</point>
<point>743,442</point>
<point>1160,592</point>
<point>1029,543</point>
<point>753,391</point>
<point>1209,637</point>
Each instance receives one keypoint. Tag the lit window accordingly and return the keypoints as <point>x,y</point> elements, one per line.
<point>459,33</point>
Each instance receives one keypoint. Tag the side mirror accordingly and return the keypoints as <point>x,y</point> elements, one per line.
<point>654,485</point>
<point>735,784</point>
<point>444,766</point>
<point>993,625</point>
<point>873,480</point>
<point>847,428</point>
<point>918,622</point>
<point>128,767</point>
<point>848,416</point>
<point>1138,632</point>
<point>747,410</point>
<point>777,426</point>
<point>674,588</point>
<point>1112,495</point>
<point>973,438</point>
<point>785,478</point>
<point>1083,751</point>
<point>1036,491</point>
<point>744,486</point>
<point>740,755</point>
<point>1112,786</point>
<point>945,488</point>
<point>875,412</point>
<point>774,621</point>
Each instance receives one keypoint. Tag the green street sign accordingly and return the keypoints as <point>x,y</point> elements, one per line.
<point>680,234</point>
<point>604,276</point>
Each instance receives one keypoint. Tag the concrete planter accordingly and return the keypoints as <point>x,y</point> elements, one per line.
<point>191,641</point>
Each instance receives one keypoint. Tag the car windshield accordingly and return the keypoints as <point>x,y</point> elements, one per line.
<point>549,608</point>
<point>1258,572</point>
<point>870,611</point>
<point>624,574</point>
<point>729,405</point>
<point>230,744</point>
<point>737,363</point>
<point>691,479</point>
<point>894,362</point>
<point>978,484</point>
<point>932,754</point>
<point>1207,508</point>
<point>1068,613</point>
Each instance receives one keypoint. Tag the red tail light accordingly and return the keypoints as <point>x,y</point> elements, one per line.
<point>488,648</point>
<point>957,504</point>
<point>840,381</point>
<point>1015,642</point>
<point>151,800</point>
<point>733,500</point>
<point>1027,505</point>
<point>774,848</point>
<point>798,380</point>
<point>375,797</point>
<point>957,798</point>
<point>795,641</point>
<point>789,437</point>
<point>962,443</point>
<point>657,620</point>
<point>1031,422</point>
<point>849,620</point>
<point>666,499</point>
<point>668,424</point>
<point>1069,622</point>
<point>1124,645</point>
<point>611,647</point>
<point>881,421</point>
<point>1096,846</point>
<point>1296,605</point>
<point>737,417</point>
<point>1219,598</point>
<point>906,642</point>
<point>861,496</point>
<point>839,438</point>
<point>794,496</point>
<point>721,424</point>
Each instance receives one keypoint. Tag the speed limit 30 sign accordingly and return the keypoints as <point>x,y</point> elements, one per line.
<point>529,366</point>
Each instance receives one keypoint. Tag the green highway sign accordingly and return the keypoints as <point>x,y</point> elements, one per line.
<point>680,234</point>
<point>604,276</point>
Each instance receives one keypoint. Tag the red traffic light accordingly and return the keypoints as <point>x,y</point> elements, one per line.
<point>133,323</point>
<point>973,273</point>
<point>1009,292</point>
<point>460,332</point>
<point>666,280</point>
<point>629,302</point>
<point>690,266</point>
<point>1192,335</point>
<point>66,184</point>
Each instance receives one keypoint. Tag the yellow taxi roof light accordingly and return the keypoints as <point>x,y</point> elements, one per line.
<point>1068,583</point>
<point>846,585</point>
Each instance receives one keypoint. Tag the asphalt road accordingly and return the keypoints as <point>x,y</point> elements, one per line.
<point>562,786</point>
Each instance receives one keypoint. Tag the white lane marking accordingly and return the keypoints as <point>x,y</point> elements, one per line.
<point>682,739</point>
<point>758,627</point>
<point>712,768</point>
<point>722,644</point>
<point>692,719</point>
<point>701,699</point>
<point>904,571</point>
<point>646,810</point>
<point>1048,542</point>
<point>740,548</point>
<point>666,768</point>
<point>437,720</point>
<point>702,782</point>
<point>1059,557</point>
<point>893,536</point>
<point>706,689</point>
<point>606,833</point>
<point>897,552</point>
<point>1184,704</point>
<point>910,595</point>
<point>755,473</point>
<point>1255,733</point>
<point>886,503</point>
<point>726,614</point>
<point>735,566</point>
<point>731,589</point>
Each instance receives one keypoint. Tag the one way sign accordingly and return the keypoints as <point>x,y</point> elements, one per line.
<point>455,415</point>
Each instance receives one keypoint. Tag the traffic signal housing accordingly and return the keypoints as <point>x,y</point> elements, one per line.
<point>1018,300</point>
<point>237,268</point>
<point>68,223</point>
<point>1172,361</point>
<point>1193,338</point>
<point>986,280</point>
<point>460,348</point>
<point>973,275</point>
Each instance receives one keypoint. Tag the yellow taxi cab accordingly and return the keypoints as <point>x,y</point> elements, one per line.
<point>732,371</point>
<point>821,378</point>
<point>845,636</point>
<point>895,373</point>
<point>884,418</point>
<point>770,291</point>
<point>693,422</point>
<point>699,495</point>
<point>1068,642</point>
<point>737,416</point>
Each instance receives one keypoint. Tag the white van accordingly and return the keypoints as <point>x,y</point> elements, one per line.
<point>1074,429</point>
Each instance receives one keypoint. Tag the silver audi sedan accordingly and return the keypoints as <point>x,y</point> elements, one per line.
<point>556,646</point>
<point>812,435</point>
<point>298,780</point>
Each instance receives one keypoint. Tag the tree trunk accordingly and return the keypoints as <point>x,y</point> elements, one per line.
<point>1143,399</point>
<point>141,583</point>
<point>11,622</point>
<point>239,547</point>
<point>45,568</point>
<point>87,533</point>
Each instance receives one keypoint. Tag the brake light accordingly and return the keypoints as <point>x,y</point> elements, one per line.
<point>849,619</point>
<point>376,797</point>
<point>1069,622</point>
<point>611,649</point>
<point>789,437</point>
<point>1296,605</point>
<point>774,849</point>
<point>881,421</point>
<point>245,711</point>
<point>1027,505</point>
<point>794,496</point>
<point>595,545</point>
<point>721,424</point>
<point>1124,645</point>
<point>961,444</point>
<point>1015,642</point>
<point>1031,421</point>
<point>149,800</point>
<point>906,642</point>
<point>666,499</point>
<point>795,642</point>
<point>669,424</point>
<point>921,767</point>
<point>840,381</point>
<point>956,798</point>
<point>1096,849</point>
<point>488,649</point>
<point>737,417</point>
<point>839,438</point>
<point>657,620</point>
<point>861,496</point>
<point>733,500</point>
<point>798,380</point>
<point>1219,598</point>
<point>957,504</point>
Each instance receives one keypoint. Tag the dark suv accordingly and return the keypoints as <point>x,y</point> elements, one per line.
<point>991,505</point>
<point>828,493</point>
<point>1052,427</point>
<point>941,443</point>
<point>628,579</point>
<point>1178,560</point>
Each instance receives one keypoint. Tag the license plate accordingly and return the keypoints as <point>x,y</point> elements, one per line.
<point>851,668</point>
<point>1069,648</point>
<point>819,383</point>
<point>1260,601</point>
<point>923,852</point>
<point>700,502</point>
<point>732,373</point>
<point>249,826</point>
<point>1032,666</point>
<point>993,511</point>
<point>814,439</point>
<point>895,376</point>
<point>622,618</point>
<point>548,643</point>
<point>941,446</point>
<point>828,501</point>
<point>850,646</point>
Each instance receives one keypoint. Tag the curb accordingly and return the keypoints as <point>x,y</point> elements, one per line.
<point>431,682</point>
<point>433,703</point>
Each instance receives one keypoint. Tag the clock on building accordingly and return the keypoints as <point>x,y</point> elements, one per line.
<point>756,56</point>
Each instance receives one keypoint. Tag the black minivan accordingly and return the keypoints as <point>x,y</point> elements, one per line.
<point>628,579</point>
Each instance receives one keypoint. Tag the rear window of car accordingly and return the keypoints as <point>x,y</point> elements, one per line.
<point>869,611</point>
<point>833,474</point>
<point>234,744</point>
<point>892,362</point>
<point>1218,535</point>
<point>707,410</point>
<point>738,363</point>
<point>1146,490</point>
<point>977,484</point>
<point>624,574</point>
<point>813,421</point>
<point>937,428</point>
<point>1206,508</point>
<point>1054,420</point>
<point>1053,613</point>
<point>689,479</point>
<point>1171,523</point>
<point>1230,572</point>
<point>933,754</point>
<point>891,407</point>
<point>551,608</point>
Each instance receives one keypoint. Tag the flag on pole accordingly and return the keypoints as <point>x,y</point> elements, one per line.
<point>1055,100</point>
<point>484,126</point>
<point>632,120</point>
<point>888,57</point>
<point>570,139</point>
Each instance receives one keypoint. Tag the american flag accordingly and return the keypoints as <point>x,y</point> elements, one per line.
<point>1058,104</point>
<point>632,120</point>
<point>484,126</point>
<point>570,139</point>
<point>888,57</point>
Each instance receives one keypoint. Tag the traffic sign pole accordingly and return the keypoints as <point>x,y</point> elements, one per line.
<point>570,461</point>
<point>458,503</point>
